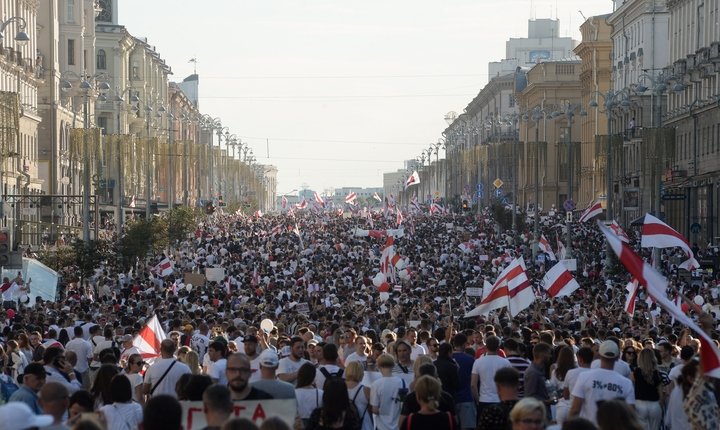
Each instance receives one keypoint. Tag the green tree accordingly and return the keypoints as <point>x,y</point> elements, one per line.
<point>180,222</point>
<point>142,237</point>
<point>90,255</point>
<point>58,257</point>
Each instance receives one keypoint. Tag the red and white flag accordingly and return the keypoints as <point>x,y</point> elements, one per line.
<point>657,234</point>
<point>399,219</point>
<point>339,212</point>
<point>350,198</point>
<point>559,282</point>
<point>495,296</point>
<point>414,203</point>
<point>544,246</point>
<point>591,212</point>
<point>319,199</point>
<point>633,288</point>
<point>376,196</point>
<point>434,207</point>
<point>519,287</point>
<point>656,286</point>
<point>258,214</point>
<point>276,230</point>
<point>132,203</point>
<point>284,202</point>
<point>302,205</point>
<point>149,338</point>
<point>414,179</point>
<point>466,247</point>
<point>164,267</point>
<point>619,232</point>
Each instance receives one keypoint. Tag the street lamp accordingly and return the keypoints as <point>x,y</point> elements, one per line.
<point>21,37</point>
<point>87,84</point>
<point>118,100</point>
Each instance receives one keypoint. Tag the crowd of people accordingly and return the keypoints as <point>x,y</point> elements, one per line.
<point>352,354</point>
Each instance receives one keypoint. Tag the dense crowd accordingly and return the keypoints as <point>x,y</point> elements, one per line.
<point>348,355</point>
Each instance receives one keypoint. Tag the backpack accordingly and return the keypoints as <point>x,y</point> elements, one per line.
<point>329,375</point>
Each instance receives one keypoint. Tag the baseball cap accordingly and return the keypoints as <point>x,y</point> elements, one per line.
<point>609,349</point>
<point>312,342</point>
<point>127,338</point>
<point>250,338</point>
<point>19,416</point>
<point>269,359</point>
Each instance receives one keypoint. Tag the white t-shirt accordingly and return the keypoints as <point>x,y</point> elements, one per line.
<point>331,369</point>
<point>572,375</point>
<point>122,416</point>
<point>217,371</point>
<point>620,367</point>
<point>485,367</point>
<point>287,365</point>
<point>83,349</point>
<point>255,369</point>
<point>675,415</point>
<point>307,400</point>
<point>384,395</point>
<point>601,384</point>
<point>417,351</point>
<point>7,295</point>
<point>135,380</point>
<point>167,385</point>
<point>200,343</point>
<point>355,357</point>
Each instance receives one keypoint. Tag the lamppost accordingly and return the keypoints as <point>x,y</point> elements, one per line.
<point>149,150</point>
<point>20,37</point>
<point>611,100</point>
<point>118,100</point>
<point>569,113</point>
<point>97,82</point>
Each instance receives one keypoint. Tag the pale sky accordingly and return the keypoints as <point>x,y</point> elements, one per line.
<point>340,91</point>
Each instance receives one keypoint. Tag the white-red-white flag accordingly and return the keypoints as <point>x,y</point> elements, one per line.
<point>319,199</point>
<point>414,203</point>
<point>633,287</point>
<point>284,202</point>
<point>559,282</point>
<point>436,208</point>
<point>657,234</point>
<point>656,286</point>
<point>164,267</point>
<point>376,196</point>
<point>276,230</point>
<point>495,296</point>
<point>148,339</point>
<point>591,212</point>
<point>258,214</point>
<point>302,205</point>
<point>519,288</point>
<point>414,179</point>
<point>399,218</point>
<point>350,198</point>
<point>619,232</point>
<point>544,246</point>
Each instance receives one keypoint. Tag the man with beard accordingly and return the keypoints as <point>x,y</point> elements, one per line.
<point>287,370</point>
<point>238,374</point>
<point>250,347</point>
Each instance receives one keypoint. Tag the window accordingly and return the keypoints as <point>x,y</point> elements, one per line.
<point>512,100</point>
<point>71,52</point>
<point>102,124</point>
<point>101,61</point>
<point>70,11</point>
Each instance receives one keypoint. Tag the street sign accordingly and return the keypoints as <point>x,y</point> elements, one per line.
<point>673,197</point>
<point>569,205</point>
<point>498,183</point>
<point>498,193</point>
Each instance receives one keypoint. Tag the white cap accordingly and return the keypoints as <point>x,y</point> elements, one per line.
<point>19,416</point>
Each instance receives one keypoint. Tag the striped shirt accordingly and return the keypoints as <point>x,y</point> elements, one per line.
<point>520,364</point>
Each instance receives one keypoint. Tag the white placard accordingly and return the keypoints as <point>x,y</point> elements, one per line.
<point>484,258</point>
<point>474,292</point>
<point>215,274</point>
<point>570,263</point>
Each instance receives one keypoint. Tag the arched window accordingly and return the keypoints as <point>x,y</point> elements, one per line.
<point>101,62</point>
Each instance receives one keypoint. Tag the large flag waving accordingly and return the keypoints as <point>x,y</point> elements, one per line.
<point>149,338</point>
<point>164,268</point>
<point>656,287</point>
<point>494,297</point>
<point>319,199</point>
<point>657,234</point>
<point>414,179</point>
<point>519,287</point>
<point>591,212</point>
<point>350,198</point>
<point>633,289</point>
<point>558,281</point>
<point>619,232</point>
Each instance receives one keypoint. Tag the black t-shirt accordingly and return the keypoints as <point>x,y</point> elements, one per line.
<point>645,390</point>
<point>497,416</point>
<point>437,421</point>
<point>256,394</point>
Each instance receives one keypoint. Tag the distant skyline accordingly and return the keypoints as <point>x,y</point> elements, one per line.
<point>335,93</point>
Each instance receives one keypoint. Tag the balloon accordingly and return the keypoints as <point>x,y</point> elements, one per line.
<point>267,325</point>
<point>384,296</point>
<point>401,264</point>
<point>378,279</point>
<point>384,287</point>
<point>699,300</point>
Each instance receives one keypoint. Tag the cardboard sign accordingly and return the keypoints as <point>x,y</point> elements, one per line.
<point>474,292</point>
<point>302,308</point>
<point>484,258</point>
<point>215,274</point>
<point>571,264</point>
<point>256,411</point>
<point>195,279</point>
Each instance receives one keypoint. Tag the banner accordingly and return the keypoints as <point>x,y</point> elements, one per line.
<point>254,410</point>
<point>196,279</point>
<point>214,274</point>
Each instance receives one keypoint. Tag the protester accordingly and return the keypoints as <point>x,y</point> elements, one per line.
<point>54,401</point>
<point>123,412</point>
<point>217,405</point>
<point>162,376</point>
<point>528,413</point>
<point>337,411</point>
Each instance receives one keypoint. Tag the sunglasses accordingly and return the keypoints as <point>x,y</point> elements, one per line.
<point>139,363</point>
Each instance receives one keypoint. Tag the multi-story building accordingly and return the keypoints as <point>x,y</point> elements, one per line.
<point>692,182</point>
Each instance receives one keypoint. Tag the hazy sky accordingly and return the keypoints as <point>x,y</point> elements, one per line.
<point>339,91</point>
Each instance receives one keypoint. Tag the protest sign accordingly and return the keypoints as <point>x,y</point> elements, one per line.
<point>254,410</point>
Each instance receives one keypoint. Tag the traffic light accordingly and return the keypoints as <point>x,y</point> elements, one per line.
<point>465,205</point>
<point>5,247</point>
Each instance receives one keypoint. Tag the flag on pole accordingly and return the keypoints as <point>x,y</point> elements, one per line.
<point>148,340</point>
<point>619,232</point>
<point>414,179</point>
<point>558,281</point>
<point>544,246</point>
<point>276,230</point>
<point>633,288</point>
<point>302,205</point>
<point>164,268</point>
<point>434,207</point>
<point>284,202</point>
<point>319,199</point>
<point>519,288</point>
<point>495,296</point>
<point>591,212</point>
<point>414,203</point>
<point>656,286</point>
<point>350,198</point>
<point>376,196</point>
<point>657,234</point>
<point>399,219</point>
